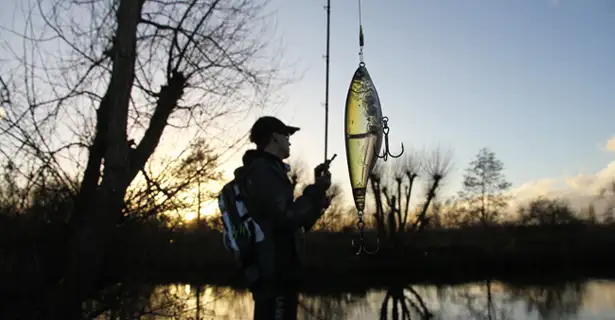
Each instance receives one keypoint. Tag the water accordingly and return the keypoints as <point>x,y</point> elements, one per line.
<point>593,299</point>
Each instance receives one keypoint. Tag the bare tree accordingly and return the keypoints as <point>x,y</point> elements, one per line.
<point>337,213</point>
<point>483,187</point>
<point>123,74</point>
<point>167,190</point>
<point>392,188</point>
<point>172,188</point>
<point>438,166</point>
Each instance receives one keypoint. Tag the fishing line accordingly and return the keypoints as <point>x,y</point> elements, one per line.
<point>361,37</point>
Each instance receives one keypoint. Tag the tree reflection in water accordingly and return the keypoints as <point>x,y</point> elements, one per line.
<point>328,306</point>
<point>551,301</point>
<point>181,301</point>
<point>487,300</point>
<point>174,301</point>
<point>481,301</point>
<point>405,304</point>
<point>496,301</point>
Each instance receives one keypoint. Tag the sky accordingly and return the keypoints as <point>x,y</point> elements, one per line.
<point>530,79</point>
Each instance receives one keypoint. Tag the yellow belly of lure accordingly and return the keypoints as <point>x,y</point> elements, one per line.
<point>363,132</point>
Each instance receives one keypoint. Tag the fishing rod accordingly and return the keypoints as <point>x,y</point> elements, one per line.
<point>328,10</point>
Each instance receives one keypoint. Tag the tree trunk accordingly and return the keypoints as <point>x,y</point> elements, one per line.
<point>380,222</point>
<point>88,247</point>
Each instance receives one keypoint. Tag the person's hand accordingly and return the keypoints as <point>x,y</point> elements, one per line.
<point>322,177</point>
<point>320,169</point>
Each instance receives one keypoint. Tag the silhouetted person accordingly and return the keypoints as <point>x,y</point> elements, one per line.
<point>269,197</point>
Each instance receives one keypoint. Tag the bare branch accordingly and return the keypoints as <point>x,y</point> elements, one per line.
<point>439,164</point>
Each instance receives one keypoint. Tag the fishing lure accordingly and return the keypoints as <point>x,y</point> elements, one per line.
<point>365,130</point>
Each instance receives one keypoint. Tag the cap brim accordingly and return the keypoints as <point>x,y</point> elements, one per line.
<point>291,130</point>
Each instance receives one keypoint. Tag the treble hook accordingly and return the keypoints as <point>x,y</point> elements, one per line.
<point>363,249</point>
<point>361,245</point>
<point>387,151</point>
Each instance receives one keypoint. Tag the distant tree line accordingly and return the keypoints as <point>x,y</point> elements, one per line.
<point>162,197</point>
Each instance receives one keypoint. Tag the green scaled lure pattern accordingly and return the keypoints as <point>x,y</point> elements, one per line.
<point>363,132</point>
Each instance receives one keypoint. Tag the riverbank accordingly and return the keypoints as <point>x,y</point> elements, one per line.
<point>437,256</point>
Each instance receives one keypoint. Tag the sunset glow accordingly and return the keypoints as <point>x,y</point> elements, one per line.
<point>208,208</point>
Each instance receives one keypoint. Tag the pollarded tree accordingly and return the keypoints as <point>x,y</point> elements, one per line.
<point>393,185</point>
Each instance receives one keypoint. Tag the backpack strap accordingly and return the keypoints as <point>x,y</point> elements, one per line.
<point>229,202</point>
<point>240,196</point>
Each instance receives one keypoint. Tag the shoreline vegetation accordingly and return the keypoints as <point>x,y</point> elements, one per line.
<point>149,253</point>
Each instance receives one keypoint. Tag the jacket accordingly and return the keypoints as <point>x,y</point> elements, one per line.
<point>283,220</point>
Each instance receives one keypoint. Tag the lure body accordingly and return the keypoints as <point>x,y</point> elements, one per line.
<point>363,126</point>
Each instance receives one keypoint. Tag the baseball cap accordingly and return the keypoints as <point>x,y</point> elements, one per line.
<point>264,127</point>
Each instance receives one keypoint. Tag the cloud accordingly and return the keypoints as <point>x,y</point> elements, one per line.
<point>610,145</point>
<point>579,190</point>
<point>533,189</point>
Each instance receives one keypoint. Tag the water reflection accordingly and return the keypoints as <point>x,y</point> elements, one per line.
<point>481,300</point>
<point>403,302</point>
<point>553,301</point>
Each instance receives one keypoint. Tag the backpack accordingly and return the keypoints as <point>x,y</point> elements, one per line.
<point>241,232</point>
